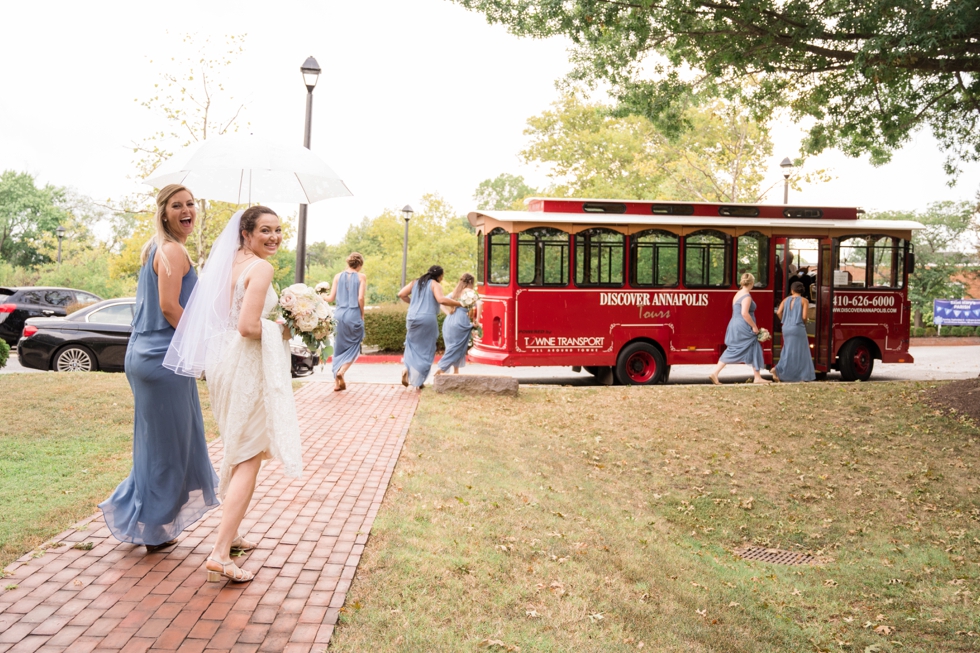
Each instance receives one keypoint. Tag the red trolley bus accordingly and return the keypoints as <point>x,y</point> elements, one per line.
<point>626,289</point>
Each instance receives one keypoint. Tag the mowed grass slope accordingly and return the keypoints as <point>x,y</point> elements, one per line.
<point>65,443</point>
<point>604,520</point>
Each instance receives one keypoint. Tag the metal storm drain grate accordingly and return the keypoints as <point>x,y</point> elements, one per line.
<point>776,556</point>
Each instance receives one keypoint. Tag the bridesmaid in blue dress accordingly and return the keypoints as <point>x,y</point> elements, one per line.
<point>456,330</point>
<point>741,338</point>
<point>423,296</point>
<point>795,362</point>
<point>348,291</point>
<point>172,483</point>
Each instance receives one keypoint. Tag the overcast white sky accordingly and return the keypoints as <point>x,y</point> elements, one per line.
<point>416,96</point>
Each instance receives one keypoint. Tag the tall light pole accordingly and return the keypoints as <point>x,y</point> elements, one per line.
<point>311,72</point>
<point>787,167</point>
<point>407,214</point>
<point>60,231</point>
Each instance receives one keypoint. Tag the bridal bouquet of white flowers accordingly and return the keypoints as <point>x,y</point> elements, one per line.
<point>763,335</point>
<point>308,315</point>
<point>323,288</point>
<point>468,298</point>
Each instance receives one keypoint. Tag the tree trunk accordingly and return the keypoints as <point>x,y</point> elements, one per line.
<point>918,318</point>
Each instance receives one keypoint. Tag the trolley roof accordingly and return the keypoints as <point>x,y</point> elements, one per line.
<point>478,218</point>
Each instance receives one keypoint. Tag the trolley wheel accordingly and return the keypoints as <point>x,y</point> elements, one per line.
<point>640,364</point>
<point>856,360</point>
<point>75,358</point>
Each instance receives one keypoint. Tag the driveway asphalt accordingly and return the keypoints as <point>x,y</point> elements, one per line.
<point>931,364</point>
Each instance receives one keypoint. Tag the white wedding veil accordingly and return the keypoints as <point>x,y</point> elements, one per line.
<point>208,312</point>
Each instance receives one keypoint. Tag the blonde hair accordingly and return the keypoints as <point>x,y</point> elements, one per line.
<point>355,261</point>
<point>747,281</point>
<point>465,281</point>
<point>164,231</point>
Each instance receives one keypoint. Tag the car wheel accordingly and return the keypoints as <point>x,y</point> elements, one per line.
<point>857,361</point>
<point>640,364</point>
<point>74,359</point>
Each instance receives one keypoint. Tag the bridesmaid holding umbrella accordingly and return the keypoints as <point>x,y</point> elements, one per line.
<point>348,291</point>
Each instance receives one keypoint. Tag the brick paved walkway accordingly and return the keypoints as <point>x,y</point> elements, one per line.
<point>116,597</point>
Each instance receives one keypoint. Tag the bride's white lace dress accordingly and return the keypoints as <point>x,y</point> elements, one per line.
<point>251,393</point>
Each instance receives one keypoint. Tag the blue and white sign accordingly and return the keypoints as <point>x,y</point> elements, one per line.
<point>956,312</point>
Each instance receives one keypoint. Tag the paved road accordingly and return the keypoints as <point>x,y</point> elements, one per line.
<point>931,363</point>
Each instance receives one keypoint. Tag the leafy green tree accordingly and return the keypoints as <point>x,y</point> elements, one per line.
<point>27,213</point>
<point>437,236</point>
<point>943,251</point>
<point>590,151</point>
<point>865,75</point>
<point>502,193</point>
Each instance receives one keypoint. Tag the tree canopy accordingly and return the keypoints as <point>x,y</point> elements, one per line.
<point>590,151</point>
<point>503,192</point>
<point>27,213</point>
<point>865,74</point>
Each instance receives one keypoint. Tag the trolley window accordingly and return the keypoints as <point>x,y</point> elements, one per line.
<point>542,257</point>
<point>851,270</point>
<point>707,256</point>
<point>599,257</point>
<point>480,256</point>
<point>499,250</point>
<point>753,256</point>
<point>887,262</point>
<point>655,260</point>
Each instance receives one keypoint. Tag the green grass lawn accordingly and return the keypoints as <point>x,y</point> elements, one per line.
<point>65,443</point>
<point>605,519</point>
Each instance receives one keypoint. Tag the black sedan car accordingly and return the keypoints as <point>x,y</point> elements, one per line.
<point>95,338</point>
<point>17,304</point>
<point>91,339</point>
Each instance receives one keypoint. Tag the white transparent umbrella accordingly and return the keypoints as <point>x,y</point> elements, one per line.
<point>242,169</point>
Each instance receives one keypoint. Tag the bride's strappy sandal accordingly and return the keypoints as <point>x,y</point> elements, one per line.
<point>241,544</point>
<point>237,575</point>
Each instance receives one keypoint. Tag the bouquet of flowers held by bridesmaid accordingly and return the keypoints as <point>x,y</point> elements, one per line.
<point>306,312</point>
<point>468,298</point>
<point>763,335</point>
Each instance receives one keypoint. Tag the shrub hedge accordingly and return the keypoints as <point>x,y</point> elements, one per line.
<point>918,332</point>
<point>930,332</point>
<point>384,327</point>
<point>4,352</point>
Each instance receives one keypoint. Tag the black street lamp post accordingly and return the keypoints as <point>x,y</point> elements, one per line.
<point>60,231</point>
<point>311,72</point>
<point>407,214</point>
<point>787,167</point>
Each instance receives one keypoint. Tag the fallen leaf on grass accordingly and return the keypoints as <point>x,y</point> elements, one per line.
<point>703,613</point>
<point>746,504</point>
<point>884,630</point>
<point>596,616</point>
<point>734,604</point>
<point>531,614</point>
<point>497,644</point>
<point>874,648</point>
<point>830,582</point>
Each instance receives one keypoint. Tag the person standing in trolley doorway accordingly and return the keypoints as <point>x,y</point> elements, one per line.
<point>795,363</point>
<point>742,337</point>
<point>348,291</point>
<point>423,296</point>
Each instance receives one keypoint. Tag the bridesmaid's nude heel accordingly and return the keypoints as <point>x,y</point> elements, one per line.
<point>237,575</point>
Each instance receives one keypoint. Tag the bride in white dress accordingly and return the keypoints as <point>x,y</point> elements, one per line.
<point>228,333</point>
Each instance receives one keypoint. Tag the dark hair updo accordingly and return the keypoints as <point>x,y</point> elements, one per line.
<point>249,218</point>
<point>434,273</point>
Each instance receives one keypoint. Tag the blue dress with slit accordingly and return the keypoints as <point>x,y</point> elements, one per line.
<point>741,343</point>
<point>795,362</point>
<point>172,483</point>
<point>456,330</point>
<point>350,324</point>
<point>421,333</point>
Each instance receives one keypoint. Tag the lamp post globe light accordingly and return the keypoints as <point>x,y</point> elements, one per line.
<point>60,232</point>
<point>311,72</point>
<point>407,214</point>
<point>787,167</point>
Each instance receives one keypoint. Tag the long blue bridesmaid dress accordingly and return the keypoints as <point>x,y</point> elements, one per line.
<point>350,324</point>
<point>741,343</point>
<point>795,363</point>
<point>456,334</point>
<point>422,332</point>
<point>172,483</point>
